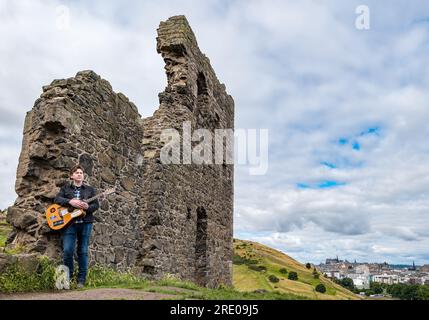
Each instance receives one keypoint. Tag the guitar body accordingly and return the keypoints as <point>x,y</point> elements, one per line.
<point>59,217</point>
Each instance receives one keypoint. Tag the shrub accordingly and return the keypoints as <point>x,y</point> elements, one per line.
<point>238,260</point>
<point>283,270</point>
<point>16,279</point>
<point>257,268</point>
<point>273,278</point>
<point>308,265</point>
<point>293,275</point>
<point>321,288</point>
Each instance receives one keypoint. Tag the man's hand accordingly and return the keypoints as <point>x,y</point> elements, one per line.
<point>84,205</point>
<point>78,204</point>
<point>75,203</point>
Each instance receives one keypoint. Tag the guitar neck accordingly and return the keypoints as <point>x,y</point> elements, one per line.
<point>93,198</point>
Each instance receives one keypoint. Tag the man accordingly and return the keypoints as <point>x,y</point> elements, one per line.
<point>72,194</point>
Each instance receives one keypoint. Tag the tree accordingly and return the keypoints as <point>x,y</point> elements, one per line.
<point>404,291</point>
<point>273,278</point>
<point>347,283</point>
<point>395,290</point>
<point>293,275</point>
<point>376,287</point>
<point>423,292</point>
<point>409,292</point>
<point>283,270</point>
<point>308,265</point>
<point>321,288</point>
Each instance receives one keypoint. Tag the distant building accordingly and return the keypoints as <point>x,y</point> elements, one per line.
<point>362,269</point>
<point>424,268</point>
<point>332,273</point>
<point>361,281</point>
<point>413,268</point>
<point>333,261</point>
<point>363,273</point>
<point>385,278</point>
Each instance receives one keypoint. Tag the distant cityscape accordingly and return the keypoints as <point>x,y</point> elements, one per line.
<point>364,273</point>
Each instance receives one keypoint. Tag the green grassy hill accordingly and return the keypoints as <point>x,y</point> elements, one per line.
<point>5,228</point>
<point>246,277</point>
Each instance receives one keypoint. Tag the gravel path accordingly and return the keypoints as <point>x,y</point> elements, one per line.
<point>91,294</point>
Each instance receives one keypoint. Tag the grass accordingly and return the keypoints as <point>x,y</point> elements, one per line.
<point>246,279</point>
<point>4,231</point>
<point>15,280</point>
<point>253,264</point>
<point>100,277</point>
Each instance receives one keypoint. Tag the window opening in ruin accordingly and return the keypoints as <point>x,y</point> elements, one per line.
<point>202,84</point>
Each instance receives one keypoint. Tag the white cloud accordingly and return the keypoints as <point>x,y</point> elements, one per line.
<point>300,69</point>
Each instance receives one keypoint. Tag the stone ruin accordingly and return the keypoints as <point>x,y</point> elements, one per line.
<point>164,218</point>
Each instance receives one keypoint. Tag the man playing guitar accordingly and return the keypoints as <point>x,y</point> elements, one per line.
<point>73,194</point>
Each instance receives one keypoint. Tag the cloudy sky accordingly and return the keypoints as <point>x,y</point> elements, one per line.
<point>346,109</point>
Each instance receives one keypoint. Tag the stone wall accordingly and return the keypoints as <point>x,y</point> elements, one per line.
<point>165,218</point>
<point>190,206</point>
<point>81,120</point>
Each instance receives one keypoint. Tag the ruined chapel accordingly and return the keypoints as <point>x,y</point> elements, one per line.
<point>164,218</point>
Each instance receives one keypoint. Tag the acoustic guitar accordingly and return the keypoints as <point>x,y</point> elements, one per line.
<point>59,217</point>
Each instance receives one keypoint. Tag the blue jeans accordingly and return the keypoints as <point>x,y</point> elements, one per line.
<point>80,232</point>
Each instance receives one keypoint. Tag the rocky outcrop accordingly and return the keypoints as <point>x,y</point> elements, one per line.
<point>165,218</point>
<point>27,263</point>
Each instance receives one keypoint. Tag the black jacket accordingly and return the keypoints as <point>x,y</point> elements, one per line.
<point>67,193</point>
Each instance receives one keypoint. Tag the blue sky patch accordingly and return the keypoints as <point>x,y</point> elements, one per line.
<point>375,131</point>
<point>343,141</point>
<point>329,165</point>
<point>321,185</point>
<point>302,186</point>
<point>330,184</point>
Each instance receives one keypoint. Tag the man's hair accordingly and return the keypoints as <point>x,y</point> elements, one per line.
<point>75,168</point>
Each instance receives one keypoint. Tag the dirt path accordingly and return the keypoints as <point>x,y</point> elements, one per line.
<point>91,294</point>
